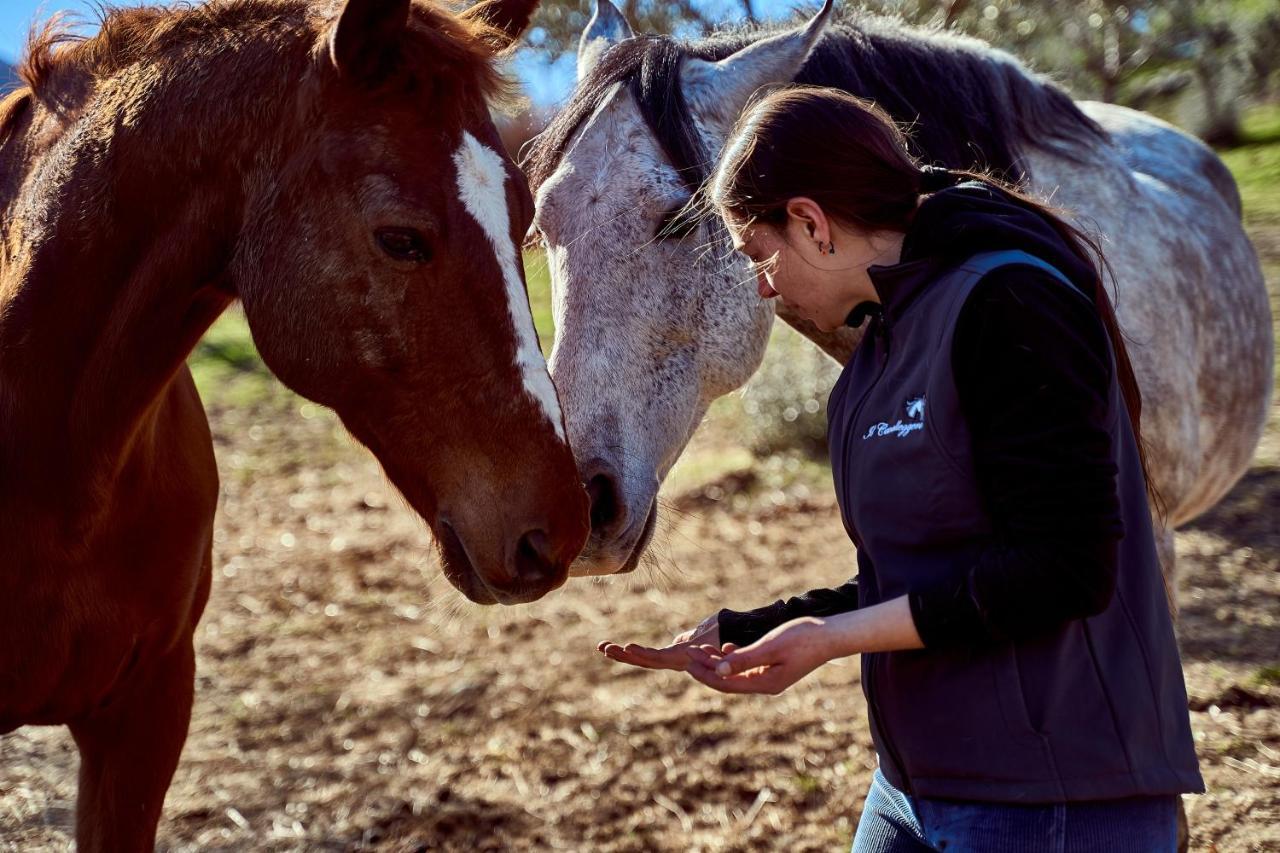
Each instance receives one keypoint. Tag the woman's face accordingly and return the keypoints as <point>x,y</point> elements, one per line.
<point>789,264</point>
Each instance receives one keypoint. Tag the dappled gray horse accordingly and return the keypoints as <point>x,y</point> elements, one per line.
<point>655,323</point>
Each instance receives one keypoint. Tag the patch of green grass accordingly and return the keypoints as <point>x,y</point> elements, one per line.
<point>1267,675</point>
<point>226,366</point>
<point>538,277</point>
<point>1256,166</point>
<point>1261,124</point>
<point>807,784</point>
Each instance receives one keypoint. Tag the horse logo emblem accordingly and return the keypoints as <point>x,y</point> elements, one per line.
<point>915,408</point>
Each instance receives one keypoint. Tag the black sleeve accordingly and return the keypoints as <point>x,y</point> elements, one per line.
<point>746,626</point>
<point>1032,369</point>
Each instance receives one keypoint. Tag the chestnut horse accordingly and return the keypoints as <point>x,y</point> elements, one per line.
<point>333,167</point>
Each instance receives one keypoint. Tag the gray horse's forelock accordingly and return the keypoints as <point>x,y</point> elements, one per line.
<point>968,105</point>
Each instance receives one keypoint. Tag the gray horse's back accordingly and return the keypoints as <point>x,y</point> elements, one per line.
<point>1156,148</point>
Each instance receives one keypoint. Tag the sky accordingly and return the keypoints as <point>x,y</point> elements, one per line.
<point>547,80</point>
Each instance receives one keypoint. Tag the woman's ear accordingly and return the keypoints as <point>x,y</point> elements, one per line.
<point>813,223</point>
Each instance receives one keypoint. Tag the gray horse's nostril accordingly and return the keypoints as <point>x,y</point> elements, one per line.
<point>534,562</point>
<point>608,512</point>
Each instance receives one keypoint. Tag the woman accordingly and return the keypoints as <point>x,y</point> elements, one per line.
<point>1018,657</point>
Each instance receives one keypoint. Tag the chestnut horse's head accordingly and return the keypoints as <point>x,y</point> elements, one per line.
<point>380,271</point>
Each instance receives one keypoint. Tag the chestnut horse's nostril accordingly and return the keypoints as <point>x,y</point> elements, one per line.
<point>535,562</point>
<point>608,512</point>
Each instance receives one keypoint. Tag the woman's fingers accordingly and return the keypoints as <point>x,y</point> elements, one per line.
<point>671,657</point>
<point>736,661</point>
<point>769,681</point>
<point>706,656</point>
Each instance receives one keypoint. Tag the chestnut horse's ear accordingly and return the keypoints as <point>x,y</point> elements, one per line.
<point>365,43</point>
<point>508,19</point>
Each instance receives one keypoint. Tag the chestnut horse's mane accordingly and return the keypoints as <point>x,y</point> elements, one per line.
<point>451,46</point>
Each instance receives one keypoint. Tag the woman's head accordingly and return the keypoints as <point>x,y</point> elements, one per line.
<point>816,185</point>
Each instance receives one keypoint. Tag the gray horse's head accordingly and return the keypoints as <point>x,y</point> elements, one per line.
<point>655,315</point>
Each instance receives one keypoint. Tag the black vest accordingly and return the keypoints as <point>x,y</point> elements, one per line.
<point>1093,709</point>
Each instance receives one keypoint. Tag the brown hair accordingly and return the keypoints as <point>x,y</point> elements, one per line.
<point>850,157</point>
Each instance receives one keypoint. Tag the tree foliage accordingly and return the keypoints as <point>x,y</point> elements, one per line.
<point>1137,52</point>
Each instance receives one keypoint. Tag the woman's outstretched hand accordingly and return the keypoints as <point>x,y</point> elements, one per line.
<point>784,655</point>
<point>769,665</point>
<point>673,656</point>
<point>794,649</point>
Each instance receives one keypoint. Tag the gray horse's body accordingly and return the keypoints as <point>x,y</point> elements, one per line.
<point>652,329</point>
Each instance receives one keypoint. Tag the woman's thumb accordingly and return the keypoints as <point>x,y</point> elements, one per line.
<point>739,660</point>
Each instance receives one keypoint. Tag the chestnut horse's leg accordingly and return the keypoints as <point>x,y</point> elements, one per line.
<point>128,753</point>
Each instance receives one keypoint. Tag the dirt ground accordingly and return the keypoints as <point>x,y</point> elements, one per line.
<point>348,699</point>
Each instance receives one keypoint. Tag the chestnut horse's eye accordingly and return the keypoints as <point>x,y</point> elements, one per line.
<point>404,244</point>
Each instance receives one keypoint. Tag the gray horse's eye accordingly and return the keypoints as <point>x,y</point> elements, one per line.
<point>677,223</point>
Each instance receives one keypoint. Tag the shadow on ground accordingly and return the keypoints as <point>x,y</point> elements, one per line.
<point>1228,561</point>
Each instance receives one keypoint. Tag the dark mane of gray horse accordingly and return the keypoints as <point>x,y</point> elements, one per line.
<point>966,105</point>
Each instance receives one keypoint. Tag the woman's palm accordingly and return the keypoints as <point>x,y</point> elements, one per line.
<point>674,656</point>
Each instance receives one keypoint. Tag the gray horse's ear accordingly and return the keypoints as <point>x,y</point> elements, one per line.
<point>718,91</point>
<point>365,42</point>
<point>606,27</point>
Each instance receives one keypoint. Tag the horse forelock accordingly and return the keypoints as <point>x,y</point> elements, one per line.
<point>964,103</point>
<point>648,67</point>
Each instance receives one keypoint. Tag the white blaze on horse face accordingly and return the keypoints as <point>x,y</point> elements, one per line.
<point>482,177</point>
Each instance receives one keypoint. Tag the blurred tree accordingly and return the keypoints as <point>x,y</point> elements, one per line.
<point>1136,52</point>
<point>1264,55</point>
<point>1204,35</point>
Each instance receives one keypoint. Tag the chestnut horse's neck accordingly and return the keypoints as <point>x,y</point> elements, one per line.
<point>118,227</point>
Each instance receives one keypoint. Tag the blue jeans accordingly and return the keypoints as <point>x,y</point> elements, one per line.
<point>893,822</point>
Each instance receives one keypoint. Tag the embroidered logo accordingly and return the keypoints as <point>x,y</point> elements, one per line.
<point>902,429</point>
